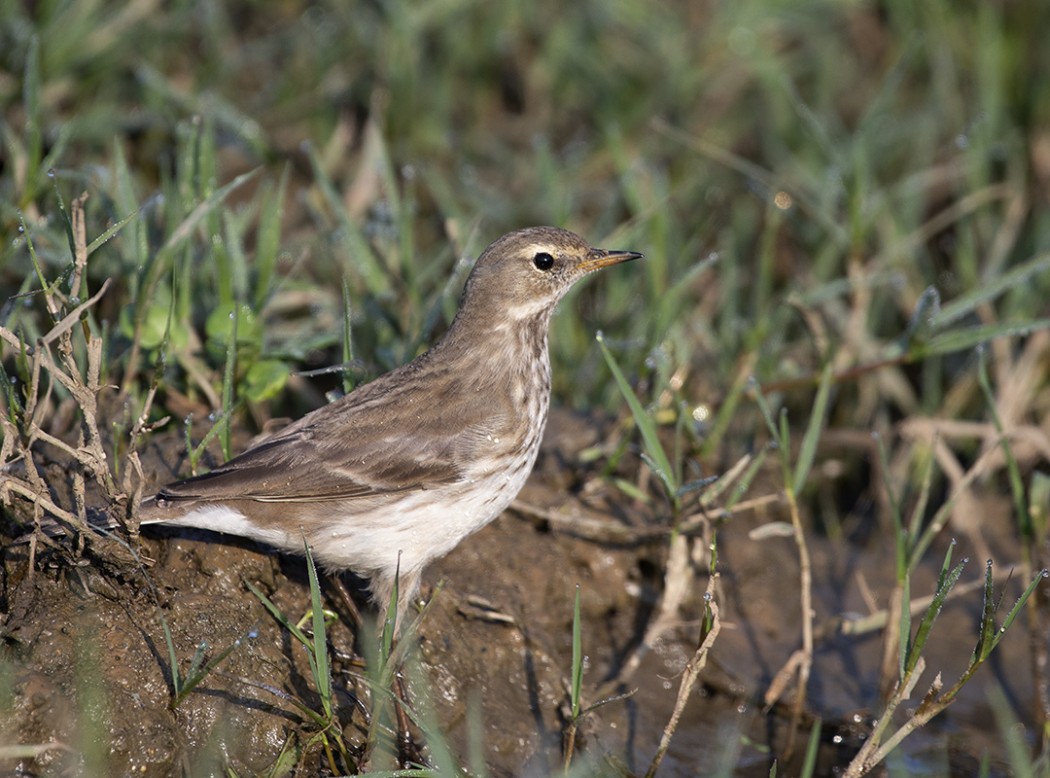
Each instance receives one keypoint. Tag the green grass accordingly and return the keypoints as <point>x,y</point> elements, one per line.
<point>842,209</point>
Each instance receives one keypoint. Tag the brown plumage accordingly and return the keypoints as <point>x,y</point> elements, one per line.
<point>400,470</point>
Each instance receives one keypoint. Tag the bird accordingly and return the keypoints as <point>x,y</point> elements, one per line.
<point>396,473</point>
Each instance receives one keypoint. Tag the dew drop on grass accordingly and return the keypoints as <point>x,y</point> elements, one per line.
<point>50,172</point>
<point>212,416</point>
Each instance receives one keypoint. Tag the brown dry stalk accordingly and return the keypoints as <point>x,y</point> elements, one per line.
<point>690,676</point>
<point>806,596</point>
<point>874,751</point>
<point>83,382</point>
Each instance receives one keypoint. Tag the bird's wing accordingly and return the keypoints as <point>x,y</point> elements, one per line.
<point>395,434</point>
<point>328,458</point>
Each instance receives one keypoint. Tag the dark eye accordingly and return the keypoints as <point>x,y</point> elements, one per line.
<point>543,261</point>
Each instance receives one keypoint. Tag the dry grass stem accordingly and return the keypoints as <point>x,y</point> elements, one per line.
<point>690,676</point>
<point>805,665</point>
<point>83,384</point>
<point>871,753</point>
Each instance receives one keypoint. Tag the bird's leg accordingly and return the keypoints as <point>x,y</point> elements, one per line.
<point>407,589</point>
<point>343,595</point>
<point>407,584</point>
<point>408,753</point>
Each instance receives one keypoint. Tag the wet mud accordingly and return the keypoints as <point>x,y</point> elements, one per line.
<point>86,662</point>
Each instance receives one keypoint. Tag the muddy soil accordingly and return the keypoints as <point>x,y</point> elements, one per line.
<point>87,677</point>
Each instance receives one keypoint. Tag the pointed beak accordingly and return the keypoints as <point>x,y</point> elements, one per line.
<point>599,258</point>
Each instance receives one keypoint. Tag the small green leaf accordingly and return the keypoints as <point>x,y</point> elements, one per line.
<point>154,328</point>
<point>219,326</point>
<point>265,379</point>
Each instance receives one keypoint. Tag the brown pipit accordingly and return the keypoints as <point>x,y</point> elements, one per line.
<point>400,470</point>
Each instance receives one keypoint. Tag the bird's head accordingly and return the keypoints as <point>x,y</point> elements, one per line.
<point>524,274</point>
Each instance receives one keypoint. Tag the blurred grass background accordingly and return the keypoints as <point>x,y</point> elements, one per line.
<point>856,184</point>
<point>822,152</point>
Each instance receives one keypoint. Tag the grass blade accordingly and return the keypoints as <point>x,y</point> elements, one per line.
<point>645,423</point>
<point>320,642</point>
<point>811,438</point>
<point>204,208</point>
<point>577,656</point>
<point>945,583</point>
<point>176,677</point>
<point>283,620</point>
<point>962,339</point>
<point>990,289</point>
<point>1014,612</point>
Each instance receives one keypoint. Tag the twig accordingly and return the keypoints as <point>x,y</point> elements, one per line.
<point>806,596</point>
<point>690,676</point>
<point>7,483</point>
<point>80,254</point>
<point>70,319</point>
<point>864,761</point>
<point>14,340</point>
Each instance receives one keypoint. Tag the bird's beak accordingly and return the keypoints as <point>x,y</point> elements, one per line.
<point>599,258</point>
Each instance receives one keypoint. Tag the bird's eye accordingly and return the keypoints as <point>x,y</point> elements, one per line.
<point>543,261</point>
